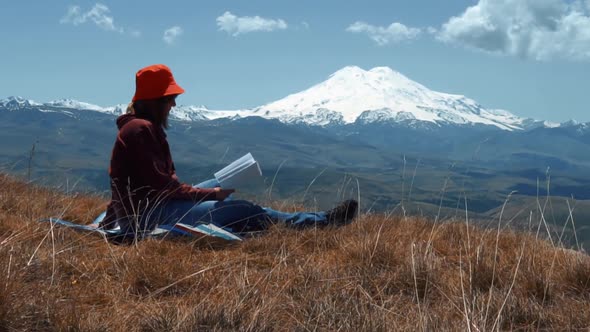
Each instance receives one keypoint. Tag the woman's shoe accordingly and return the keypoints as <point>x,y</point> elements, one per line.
<point>342,213</point>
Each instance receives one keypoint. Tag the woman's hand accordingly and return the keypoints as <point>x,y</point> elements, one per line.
<point>222,194</point>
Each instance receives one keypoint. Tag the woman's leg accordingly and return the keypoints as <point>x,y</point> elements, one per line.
<point>241,215</point>
<point>234,215</point>
<point>298,219</point>
<point>341,214</point>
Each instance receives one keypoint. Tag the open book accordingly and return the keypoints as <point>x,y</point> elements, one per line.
<point>238,173</point>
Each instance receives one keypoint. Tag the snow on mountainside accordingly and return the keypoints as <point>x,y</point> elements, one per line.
<point>70,103</point>
<point>578,127</point>
<point>386,95</point>
<point>182,113</point>
<point>13,103</point>
<point>201,113</point>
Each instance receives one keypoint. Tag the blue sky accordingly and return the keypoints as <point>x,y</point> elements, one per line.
<point>531,57</point>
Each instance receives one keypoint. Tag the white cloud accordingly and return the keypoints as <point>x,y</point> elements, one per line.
<point>235,25</point>
<point>538,29</point>
<point>99,15</point>
<point>394,33</point>
<point>171,34</point>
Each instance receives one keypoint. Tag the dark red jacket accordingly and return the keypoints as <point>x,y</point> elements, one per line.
<point>142,173</point>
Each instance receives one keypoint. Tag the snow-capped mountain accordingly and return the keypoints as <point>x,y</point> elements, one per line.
<point>381,94</point>
<point>14,103</point>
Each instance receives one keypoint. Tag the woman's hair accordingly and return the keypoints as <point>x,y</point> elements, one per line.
<point>151,109</point>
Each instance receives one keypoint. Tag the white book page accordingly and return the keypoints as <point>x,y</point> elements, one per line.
<point>239,172</point>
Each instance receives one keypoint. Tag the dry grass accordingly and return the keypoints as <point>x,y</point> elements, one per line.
<point>374,275</point>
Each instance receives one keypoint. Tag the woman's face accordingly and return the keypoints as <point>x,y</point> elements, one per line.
<point>157,110</point>
<point>168,102</point>
<point>166,105</point>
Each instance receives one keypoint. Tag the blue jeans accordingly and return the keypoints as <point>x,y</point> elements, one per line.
<point>233,215</point>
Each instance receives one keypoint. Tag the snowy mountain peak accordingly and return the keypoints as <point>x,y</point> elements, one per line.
<point>375,76</point>
<point>17,99</point>
<point>384,71</point>
<point>349,70</point>
<point>17,102</point>
<point>580,126</point>
<point>571,123</point>
<point>356,70</point>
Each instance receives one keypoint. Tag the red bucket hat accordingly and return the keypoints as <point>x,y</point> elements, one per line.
<point>155,81</point>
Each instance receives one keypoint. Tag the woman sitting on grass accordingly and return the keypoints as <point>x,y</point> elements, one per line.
<point>146,191</point>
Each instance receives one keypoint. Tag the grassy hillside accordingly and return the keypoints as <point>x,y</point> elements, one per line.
<point>379,273</point>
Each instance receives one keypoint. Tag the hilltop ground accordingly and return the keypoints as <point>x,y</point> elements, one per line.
<point>379,273</point>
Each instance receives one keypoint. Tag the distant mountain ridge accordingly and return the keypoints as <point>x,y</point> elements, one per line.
<point>349,96</point>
